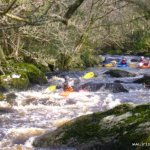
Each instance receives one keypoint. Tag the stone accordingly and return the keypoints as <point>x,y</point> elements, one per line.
<point>117,128</point>
<point>119,73</point>
<point>112,87</point>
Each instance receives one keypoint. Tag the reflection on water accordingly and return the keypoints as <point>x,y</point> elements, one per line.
<point>35,111</point>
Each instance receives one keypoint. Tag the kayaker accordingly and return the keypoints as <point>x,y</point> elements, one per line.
<point>143,61</point>
<point>66,86</point>
<point>123,61</point>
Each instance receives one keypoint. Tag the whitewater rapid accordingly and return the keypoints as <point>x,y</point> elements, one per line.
<point>36,111</point>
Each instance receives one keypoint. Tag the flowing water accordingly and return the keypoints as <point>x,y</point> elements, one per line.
<point>36,111</point>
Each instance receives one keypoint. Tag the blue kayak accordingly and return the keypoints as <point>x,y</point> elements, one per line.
<point>122,65</point>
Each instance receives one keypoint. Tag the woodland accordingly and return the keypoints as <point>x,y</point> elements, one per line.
<point>70,34</point>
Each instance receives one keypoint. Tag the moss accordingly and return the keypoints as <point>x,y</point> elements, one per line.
<point>119,110</point>
<point>43,68</point>
<point>34,74</point>
<point>117,128</point>
<point>10,82</point>
<point>28,74</point>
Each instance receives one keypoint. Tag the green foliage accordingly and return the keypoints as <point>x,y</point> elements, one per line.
<point>89,59</point>
<point>139,42</point>
<point>50,38</point>
<point>88,55</point>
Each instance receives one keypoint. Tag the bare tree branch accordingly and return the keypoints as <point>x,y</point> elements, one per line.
<point>73,8</point>
<point>9,8</point>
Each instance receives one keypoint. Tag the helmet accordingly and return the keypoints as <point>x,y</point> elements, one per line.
<point>123,58</point>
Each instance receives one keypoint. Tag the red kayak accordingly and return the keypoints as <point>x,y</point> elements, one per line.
<point>144,67</point>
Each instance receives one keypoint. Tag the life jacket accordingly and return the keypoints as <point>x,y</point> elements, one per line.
<point>68,89</point>
<point>123,61</point>
<point>145,63</point>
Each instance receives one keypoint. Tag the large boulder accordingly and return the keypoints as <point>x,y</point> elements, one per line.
<point>120,128</point>
<point>119,73</point>
<point>112,87</point>
<point>145,80</point>
<point>14,81</point>
<point>34,74</point>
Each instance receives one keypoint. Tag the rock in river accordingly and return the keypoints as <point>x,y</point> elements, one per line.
<point>119,73</point>
<point>112,87</point>
<point>118,128</point>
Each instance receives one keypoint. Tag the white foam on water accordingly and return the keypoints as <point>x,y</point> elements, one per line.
<point>49,111</point>
<point>4,104</point>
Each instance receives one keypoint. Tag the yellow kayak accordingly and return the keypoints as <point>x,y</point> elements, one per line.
<point>89,75</point>
<point>108,65</point>
<point>52,88</point>
<point>132,65</point>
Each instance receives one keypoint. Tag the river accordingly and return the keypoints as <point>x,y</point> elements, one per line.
<point>36,111</point>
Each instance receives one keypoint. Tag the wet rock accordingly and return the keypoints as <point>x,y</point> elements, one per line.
<point>10,96</point>
<point>29,101</point>
<point>114,129</point>
<point>119,73</point>
<point>119,81</point>
<point>5,108</point>
<point>112,87</point>
<point>145,80</point>
<point>70,102</point>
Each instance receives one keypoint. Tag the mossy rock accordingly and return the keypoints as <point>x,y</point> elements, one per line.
<point>43,67</point>
<point>119,73</point>
<point>116,129</point>
<point>145,80</point>
<point>14,81</point>
<point>34,74</point>
<point>10,98</point>
<point>113,87</point>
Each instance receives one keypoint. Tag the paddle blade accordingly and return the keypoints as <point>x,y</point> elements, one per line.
<point>52,88</point>
<point>88,75</point>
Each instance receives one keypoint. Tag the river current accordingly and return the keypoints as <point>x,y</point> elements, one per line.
<point>36,110</point>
